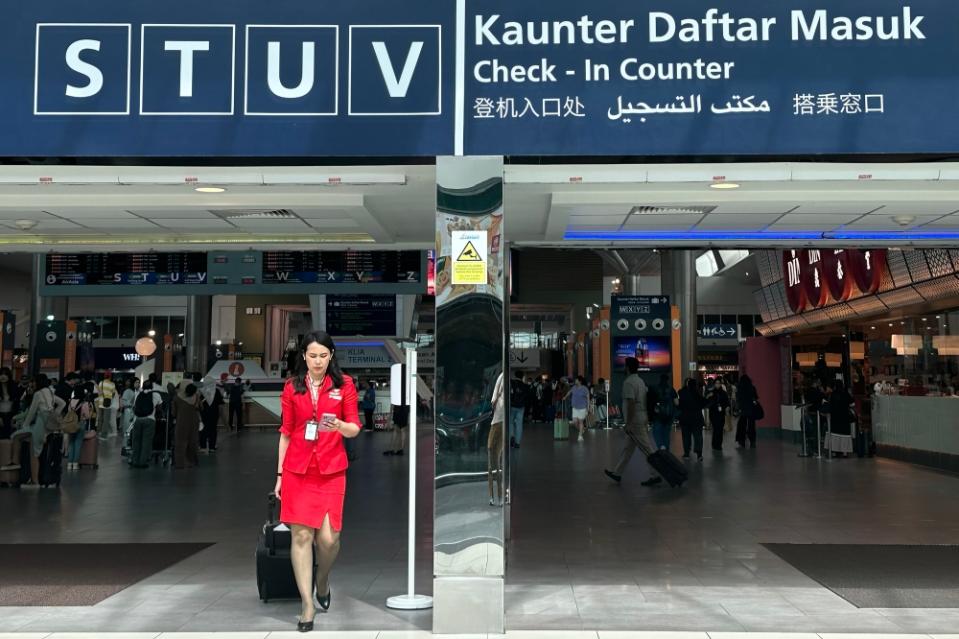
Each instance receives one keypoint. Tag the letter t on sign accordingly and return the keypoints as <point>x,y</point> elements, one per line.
<point>186,48</point>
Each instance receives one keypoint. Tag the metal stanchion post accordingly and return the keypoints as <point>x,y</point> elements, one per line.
<point>818,435</point>
<point>608,418</point>
<point>411,600</point>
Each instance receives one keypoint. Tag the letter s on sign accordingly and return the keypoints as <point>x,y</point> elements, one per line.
<point>95,85</point>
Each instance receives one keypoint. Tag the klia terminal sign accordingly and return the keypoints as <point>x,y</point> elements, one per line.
<point>814,276</point>
<point>406,78</point>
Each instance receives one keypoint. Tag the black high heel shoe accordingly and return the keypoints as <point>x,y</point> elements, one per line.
<point>305,626</point>
<point>325,601</point>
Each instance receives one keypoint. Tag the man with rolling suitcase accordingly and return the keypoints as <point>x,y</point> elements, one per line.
<point>637,426</point>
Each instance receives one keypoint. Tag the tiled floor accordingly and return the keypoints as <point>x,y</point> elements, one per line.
<point>586,556</point>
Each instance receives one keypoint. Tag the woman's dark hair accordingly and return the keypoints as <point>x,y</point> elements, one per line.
<point>190,390</point>
<point>333,370</point>
<point>41,381</point>
<point>581,380</point>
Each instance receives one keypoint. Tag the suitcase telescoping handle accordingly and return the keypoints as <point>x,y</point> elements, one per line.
<point>271,504</point>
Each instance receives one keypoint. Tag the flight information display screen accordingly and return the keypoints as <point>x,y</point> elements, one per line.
<point>86,269</point>
<point>342,267</point>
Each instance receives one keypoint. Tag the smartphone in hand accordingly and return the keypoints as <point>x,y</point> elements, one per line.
<point>328,420</point>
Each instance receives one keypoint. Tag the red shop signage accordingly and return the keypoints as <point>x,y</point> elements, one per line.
<point>810,273</point>
<point>792,280</point>
<point>867,266</point>
<point>836,271</point>
<point>812,276</point>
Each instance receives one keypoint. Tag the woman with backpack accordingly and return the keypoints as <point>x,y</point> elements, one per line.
<point>39,420</point>
<point>144,425</point>
<point>83,405</point>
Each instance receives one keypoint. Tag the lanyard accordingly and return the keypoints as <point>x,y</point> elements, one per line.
<point>314,395</point>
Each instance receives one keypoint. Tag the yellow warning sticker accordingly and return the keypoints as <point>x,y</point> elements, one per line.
<point>469,254</point>
<point>470,251</point>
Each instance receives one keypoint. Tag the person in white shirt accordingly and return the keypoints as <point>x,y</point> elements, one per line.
<point>637,424</point>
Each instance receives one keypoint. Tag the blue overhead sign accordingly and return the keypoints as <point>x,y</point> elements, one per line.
<point>694,78</point>
<point>379,78</point>
<point>240,78</point>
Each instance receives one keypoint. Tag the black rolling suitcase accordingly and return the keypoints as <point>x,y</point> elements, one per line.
<point>667,465</point>
<point>274,572</point>
<point>51,460</point>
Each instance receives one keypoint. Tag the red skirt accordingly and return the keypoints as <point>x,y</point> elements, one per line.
<point>307,499</point>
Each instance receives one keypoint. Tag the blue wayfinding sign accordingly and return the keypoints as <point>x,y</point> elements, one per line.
<point>695,78</point>
<point>386,78</point>
<point>239,78</point>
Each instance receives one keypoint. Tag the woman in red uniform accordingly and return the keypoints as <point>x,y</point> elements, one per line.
<point>319,409</point>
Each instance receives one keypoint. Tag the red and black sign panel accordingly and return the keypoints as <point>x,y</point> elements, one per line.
<point>811,275</point>
<point>792,281</point>
<point>835,267</point>
<point>867,266</point>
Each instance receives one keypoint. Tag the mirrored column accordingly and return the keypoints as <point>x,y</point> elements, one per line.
<point>471,397</point>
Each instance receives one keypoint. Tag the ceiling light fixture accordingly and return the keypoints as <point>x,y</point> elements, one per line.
<point>209,189</point>
<point>724,186</point>
<point>151,333</point>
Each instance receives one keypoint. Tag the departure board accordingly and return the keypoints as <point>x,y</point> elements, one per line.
<point>342,267</point>
<point>130,269</point>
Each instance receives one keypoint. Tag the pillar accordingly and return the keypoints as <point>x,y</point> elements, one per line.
<point>468,537</point>
<point>198,315</point>
<point>679,282</point>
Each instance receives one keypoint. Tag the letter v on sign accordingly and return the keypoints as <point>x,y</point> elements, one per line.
<point>397,88</point>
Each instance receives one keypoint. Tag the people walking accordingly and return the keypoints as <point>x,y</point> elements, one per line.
<point>106,406</point>
<point>691,404</point>
<point>495,443</point>
<point>145,406</point>
<point>637,424</point>
<point>747,399</point>
<point>519,395</point>
<point>210,401</point>
<point>318,410</point>
<point>578,395</point>
<point>663,403</point>
<point>186,437</point>
<point>717,399</point>
<point>369,405</point>
<point>237,390</point>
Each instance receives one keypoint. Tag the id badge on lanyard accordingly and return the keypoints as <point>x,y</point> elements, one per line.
<point>313,425</point>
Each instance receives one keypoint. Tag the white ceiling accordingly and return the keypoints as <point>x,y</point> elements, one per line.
<point>82,207</point>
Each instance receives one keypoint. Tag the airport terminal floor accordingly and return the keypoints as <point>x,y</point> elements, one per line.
<point>585,554</point>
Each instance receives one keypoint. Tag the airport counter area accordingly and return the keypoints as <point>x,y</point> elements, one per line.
<point>920,430</point>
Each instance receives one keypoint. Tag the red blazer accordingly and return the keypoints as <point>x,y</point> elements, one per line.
<point>328,449</point>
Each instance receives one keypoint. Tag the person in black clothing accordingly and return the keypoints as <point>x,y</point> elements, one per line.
<point>840,407</point>
<point>237,390</point>
<point>519,394</point>
<point>549,412</point>
<point>691,404</point>
<point>210,402</point>
<point>10,393</point>
<point>717,399</point>
<point>747,397</point>
<point>64,388</point>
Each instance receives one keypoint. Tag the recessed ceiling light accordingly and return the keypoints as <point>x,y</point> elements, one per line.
<point>938,316</point>
<point>925,319</point>
<point>724,185</point>
<point>890,323</point>
<point>209,189</point>
<point>872,327</point>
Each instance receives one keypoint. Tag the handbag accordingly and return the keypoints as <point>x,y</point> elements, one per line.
<point>758,412</point>
<point>107,402</point>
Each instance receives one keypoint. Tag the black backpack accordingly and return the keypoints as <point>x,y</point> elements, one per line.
<point>518,393</point>
<point>143,404</point>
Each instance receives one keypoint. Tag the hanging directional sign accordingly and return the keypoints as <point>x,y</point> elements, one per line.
<point>836,271</point>
<point>719,331</point>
